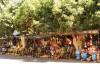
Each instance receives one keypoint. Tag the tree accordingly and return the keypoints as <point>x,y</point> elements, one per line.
<point>60,16</point>
<point>8,10</point>
<point>7,14</point>
<point>67,15</point>
<point>64,15</point>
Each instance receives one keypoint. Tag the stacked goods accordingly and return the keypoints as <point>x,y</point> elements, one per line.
<point>93,52</point>
<point>48,52</point>
<point>45,56</point>
<point>28,53</point>
<point>12,53</point>
<point>3,52</point>
<point>66,56</point>
<point>22,53</point>
<point>0,52</point>
<point>14,49</point>
<point>38,52</point>
<point>56,54</point>
<point>93,49</point>
<point>6,53</point>
<point>35,54</point>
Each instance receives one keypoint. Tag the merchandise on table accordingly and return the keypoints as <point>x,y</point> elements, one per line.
<point>84,56</point>
<point>93,56</point>
<point>78,55</point>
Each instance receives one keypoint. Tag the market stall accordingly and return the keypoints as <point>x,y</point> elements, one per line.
<point>90,50</point>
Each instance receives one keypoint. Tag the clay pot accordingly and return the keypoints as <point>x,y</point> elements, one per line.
<point>98,61</point>
<point>98,58</point>
<point>88,59</point>
<point>81,59</point>
<point>95,61</point>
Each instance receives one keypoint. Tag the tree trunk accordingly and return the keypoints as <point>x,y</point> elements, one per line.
<point>8,40</point>
<point>79,41</point>
<point>23,41</point>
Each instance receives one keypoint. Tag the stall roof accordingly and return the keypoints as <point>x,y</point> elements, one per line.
<point>32,37</point>
<point>39,36</point>
<point>94,31</point>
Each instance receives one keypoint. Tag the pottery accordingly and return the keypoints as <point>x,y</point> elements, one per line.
<point>93,56</point>
<point>84,56</point>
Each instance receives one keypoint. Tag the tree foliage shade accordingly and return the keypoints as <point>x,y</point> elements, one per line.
<point>45,16</point>
<point>8,11</point>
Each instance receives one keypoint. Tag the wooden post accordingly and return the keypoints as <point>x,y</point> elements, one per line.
<point>80,41</point>
<point>23,41</point>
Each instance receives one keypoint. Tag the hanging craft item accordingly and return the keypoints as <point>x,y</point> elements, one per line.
<point>90,42</point>
<point>85,45</point>
<point>95,34</point>
<point>60,35</point>
<point>90,36</point>
<point>75,37</point>
<point>86,34</point>
<point>68,40</point>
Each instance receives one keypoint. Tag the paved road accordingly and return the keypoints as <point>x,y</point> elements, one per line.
<point>32,59</point>
<point>19,60</point>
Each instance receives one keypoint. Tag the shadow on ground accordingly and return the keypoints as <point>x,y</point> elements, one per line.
<point>33,59</point>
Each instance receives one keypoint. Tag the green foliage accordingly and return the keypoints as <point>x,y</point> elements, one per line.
<point>8,11</point>
<point>50,15</point>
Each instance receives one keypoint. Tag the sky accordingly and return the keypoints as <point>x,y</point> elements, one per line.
<point>11,2</point>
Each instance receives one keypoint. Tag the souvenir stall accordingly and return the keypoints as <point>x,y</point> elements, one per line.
<point>90,51</point>
<point>68,45</point>
<point>56,48</point>
<point>70,48</point>
<point>59,47</point>
<point>45,48</point>
<point>41,46</point>
<point>5,45</point>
